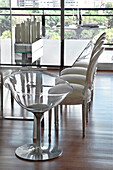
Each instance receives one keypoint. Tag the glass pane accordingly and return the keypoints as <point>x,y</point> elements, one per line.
<point>5,33</point>
<point>26,30</point>
<point>50,24</point>
<point>4,3</point>
<point>51,38</point>
<point>49,20</point>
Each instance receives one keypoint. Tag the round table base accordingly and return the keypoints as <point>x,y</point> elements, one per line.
<point>33,153</point>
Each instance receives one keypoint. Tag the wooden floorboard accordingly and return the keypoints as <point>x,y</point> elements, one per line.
<point>94,152</point>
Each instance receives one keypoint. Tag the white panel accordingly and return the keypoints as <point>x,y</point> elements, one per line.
<point>72,49</point>
<point>51,52</point>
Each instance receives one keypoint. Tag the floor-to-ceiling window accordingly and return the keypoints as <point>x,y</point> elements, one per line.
<point>48,13</point>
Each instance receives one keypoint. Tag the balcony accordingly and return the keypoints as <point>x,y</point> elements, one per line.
<point>50,30</point>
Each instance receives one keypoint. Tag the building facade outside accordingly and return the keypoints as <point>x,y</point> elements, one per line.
<point>56,3</point>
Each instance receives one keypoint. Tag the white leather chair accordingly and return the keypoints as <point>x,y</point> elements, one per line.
<point>82,92</point>
<point>78,74</point>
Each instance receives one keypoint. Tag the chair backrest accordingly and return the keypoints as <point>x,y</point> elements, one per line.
<point>91,48</point>
<point>86,53</point>
<point>98,44</point>
<point>97,48</point>
<point>92,68</point>
<point>102,36</point>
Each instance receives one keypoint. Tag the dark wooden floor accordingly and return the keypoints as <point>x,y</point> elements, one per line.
<point>91,153</point>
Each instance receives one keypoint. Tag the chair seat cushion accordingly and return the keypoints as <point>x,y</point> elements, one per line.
<point>73,78</point>
<point>61,88</point>
<point>77,96</point>
<point>81,63</point>
<point>76,93</point>
<point>74,70</point>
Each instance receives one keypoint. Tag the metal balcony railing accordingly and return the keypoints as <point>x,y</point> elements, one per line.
<point>82,14</point>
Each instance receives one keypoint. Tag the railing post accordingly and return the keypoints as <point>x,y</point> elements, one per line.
<point>62,35</point>
<point>43,25</point>
<point>80,16</point>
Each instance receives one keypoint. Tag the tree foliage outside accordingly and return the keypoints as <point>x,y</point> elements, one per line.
<point>4,19</point>
<point>6,34</point>
<point>4,3</point>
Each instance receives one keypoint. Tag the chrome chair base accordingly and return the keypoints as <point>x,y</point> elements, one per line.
<point>34,153</point>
